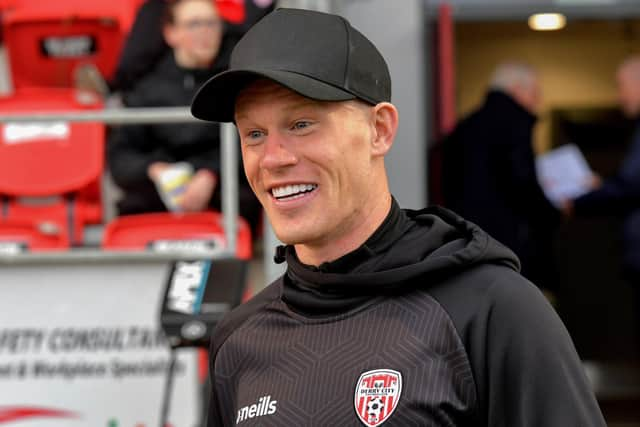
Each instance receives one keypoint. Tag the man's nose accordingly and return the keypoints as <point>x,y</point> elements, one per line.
<point>277,153</point>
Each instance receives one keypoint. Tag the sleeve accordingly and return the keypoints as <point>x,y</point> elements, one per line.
<point>129,154</point>
<point>612,197</point>
<point>221,411</point>
<point>132,148</point>
<point>533,375</point>
<point>209,160</point>
<point>619,193</point>
<point>205,146</point>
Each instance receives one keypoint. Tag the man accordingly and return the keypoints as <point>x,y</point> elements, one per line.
<point>489,174</point>
<point>139,155</point>
<point>384,315</point>
<point>621,193</point>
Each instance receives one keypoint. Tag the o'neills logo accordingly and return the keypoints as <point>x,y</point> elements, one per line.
<point>377,395</point>
<point>265,406</point>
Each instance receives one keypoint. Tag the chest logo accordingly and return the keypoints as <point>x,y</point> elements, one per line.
<point>377,395</point>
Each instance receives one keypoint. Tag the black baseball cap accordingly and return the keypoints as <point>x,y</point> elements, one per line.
<point>318,55</point>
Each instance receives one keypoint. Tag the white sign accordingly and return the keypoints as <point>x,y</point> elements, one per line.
<point>18,133</point>
<point>80,345</point>
<point>187,284</point>
<point>69,47</point>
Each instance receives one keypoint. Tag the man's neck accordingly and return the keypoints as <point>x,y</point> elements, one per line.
<point>332,249</point>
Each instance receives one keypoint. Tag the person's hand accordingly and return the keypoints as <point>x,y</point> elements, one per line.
<point>596,182</point>
<point>566,208</point>
<point>199,191</point>
<point>155,169</point>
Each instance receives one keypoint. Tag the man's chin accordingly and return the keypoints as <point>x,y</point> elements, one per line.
<point>290,236</point>
<point>205,58</point>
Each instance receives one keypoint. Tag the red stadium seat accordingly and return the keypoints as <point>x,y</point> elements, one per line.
<point>231,10</point>
<point>51,171</point>
<point>46,41</point>
<point>20,235</point>
<point>144,231</point>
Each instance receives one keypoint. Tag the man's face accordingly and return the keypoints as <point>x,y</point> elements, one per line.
<point>529,95</point>
<point>534,97</point>
<point>310,163</point>
<point>629,93</point>
<point>196,33</point>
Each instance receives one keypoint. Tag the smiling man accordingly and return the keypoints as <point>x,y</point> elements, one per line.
<point>312,191</point>
<point>384,315</point>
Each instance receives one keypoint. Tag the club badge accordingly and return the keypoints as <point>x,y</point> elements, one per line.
<point>377,395</point>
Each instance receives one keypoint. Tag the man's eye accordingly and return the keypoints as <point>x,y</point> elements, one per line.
<point>301,125</point>
<point>252,137</point>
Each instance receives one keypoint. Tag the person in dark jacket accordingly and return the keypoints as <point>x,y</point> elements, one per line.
<point>620,194</point>
<point>489,173</point>
<point>145,44</point>
<point>384,315</point>
<point>143,47</point>
<point>138,154</point>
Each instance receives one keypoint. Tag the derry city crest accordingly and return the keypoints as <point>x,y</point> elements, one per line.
<point>377,395</point>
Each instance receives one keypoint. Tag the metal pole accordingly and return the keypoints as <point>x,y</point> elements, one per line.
<point>168,388</point>
<point>115,116</point>
<point>229,177</point>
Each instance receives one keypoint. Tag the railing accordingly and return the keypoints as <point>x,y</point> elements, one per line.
<point>115,116</point>
<point>129,116</point>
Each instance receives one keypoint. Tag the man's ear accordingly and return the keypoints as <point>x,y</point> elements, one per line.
<point>386,125</point>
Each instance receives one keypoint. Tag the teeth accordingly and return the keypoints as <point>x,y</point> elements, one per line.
<point>292,190</point>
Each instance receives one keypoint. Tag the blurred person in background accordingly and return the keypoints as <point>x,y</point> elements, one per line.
<point>146,45</point>
<point>489,173</point>
<point>620,194</point>
<point>139,154</point>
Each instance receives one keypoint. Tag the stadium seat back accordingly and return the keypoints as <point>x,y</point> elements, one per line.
<point>61,161</point>
<point>232,10</point>
<point>45,159</point>
<point>156,231</point>
<point>17,236</point>
<point>47,41</point>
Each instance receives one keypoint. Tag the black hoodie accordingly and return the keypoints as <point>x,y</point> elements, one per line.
<point>428,323</point>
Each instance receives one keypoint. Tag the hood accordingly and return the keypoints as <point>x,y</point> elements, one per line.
<point>428,245</point>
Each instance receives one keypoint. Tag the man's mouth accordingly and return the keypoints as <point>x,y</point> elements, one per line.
<point>292,192</point>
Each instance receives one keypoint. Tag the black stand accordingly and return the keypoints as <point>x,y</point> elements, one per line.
<point>168,387</point>
<point>221,292</point>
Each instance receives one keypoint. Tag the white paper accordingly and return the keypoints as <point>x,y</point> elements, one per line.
<point>563,173</point>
